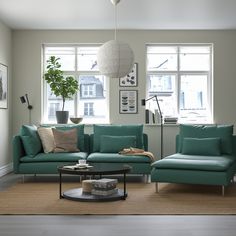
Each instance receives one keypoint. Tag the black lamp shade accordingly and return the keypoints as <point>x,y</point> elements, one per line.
<point>22,99</point>
<point>143,102</point>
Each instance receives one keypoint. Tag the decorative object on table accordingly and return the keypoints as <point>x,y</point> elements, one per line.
<point>128,101</point>
<point>25,99</point>
<point>131,79</point>
<point>104,187</point>
<point>76,120</point>
<point>3,86</point>
<point>143,102</point>
<point>115,59</point>
<point>64,87</point>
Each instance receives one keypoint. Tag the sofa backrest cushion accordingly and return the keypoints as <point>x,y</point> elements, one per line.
<point>80,132</point>
<point>201,146</point>
<point>115,144</point>
<point>31,140</point>
<point>117,130</point>
<point>224,132</point>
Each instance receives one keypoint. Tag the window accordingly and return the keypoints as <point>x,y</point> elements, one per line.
<point>88,109</point>
<point>181,77</point>
<point>81,62</point>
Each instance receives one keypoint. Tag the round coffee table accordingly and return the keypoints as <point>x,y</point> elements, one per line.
<point>77,194</point>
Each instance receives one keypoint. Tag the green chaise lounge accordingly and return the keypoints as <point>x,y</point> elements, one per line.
<point>205,155</point>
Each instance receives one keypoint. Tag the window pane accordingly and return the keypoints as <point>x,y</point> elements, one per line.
<point>66,55</point>
<point>194,58</point>
<point>164,87</point>
<point>87,58</point>
<point>193,97</point>
<point>162,62</point>
<point>194,62</point>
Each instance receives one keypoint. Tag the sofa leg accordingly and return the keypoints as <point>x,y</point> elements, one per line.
<point>156,187</point>
<point>23,178</point>
<point>147,179</point>
<point>223,190</point>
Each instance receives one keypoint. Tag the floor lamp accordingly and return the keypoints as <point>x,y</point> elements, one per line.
<point>25,99</point>
<point>143,102</point>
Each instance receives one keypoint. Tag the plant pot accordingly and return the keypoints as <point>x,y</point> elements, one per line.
<point>62,117</point>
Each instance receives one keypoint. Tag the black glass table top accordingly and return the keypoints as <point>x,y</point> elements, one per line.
<point>97,169</point>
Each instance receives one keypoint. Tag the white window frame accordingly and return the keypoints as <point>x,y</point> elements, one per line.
<point>178,74</point>
<point>76,73</point>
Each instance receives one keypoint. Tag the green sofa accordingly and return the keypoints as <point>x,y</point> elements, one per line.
<point>100,147</point>
<point>205,155</point>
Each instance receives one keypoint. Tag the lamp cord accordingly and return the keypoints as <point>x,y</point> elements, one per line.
<point>115,21</point>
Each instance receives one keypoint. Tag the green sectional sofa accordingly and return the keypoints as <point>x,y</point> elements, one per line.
<point>100,147</point>
<point>205,155</point>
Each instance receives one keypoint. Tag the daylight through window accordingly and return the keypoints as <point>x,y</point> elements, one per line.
<point>81,62</point>
<point>181,77</point>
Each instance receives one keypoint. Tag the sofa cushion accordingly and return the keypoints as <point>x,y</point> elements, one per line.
<point>117,130</point>
<point>201,146</point>
<point>80,133</point>
<point>47,139</point>
<point>116,158</point>
<point>31,140</point>
<point>194,162</point>
<point>224,132</point>
<point>65,140</point>
<point>114,144</point>
<point>55,157</point>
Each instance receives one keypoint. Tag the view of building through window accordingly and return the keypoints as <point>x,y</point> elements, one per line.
<point>181,77</point>
<point>81,62</point>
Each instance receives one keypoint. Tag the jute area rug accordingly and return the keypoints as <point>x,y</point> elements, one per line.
<point>42,198</point>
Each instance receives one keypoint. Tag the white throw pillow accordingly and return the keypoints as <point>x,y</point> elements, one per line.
<point>47,139</point>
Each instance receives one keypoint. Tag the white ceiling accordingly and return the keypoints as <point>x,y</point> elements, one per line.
<point>131,14</point>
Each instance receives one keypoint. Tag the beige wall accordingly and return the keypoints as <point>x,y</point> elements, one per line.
<point>27,73</point>
<point>5,114</point>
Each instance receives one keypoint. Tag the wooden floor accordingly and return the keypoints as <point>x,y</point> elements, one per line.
<point>113,225</point>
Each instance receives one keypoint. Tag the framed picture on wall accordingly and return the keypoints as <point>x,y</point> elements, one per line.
<point>3,86</point>
<point>130,80</point>
<point>128,101</point>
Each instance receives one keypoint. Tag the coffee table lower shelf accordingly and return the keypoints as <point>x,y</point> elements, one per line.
<point>77,194</point>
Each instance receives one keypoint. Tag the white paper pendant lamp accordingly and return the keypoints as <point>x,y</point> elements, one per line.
<point>115,59</point>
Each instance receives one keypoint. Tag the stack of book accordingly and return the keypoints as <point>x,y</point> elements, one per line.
<point>104,187</point>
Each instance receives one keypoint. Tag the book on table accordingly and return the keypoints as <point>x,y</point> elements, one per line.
<point>104,192</point>
<point>105,183</point>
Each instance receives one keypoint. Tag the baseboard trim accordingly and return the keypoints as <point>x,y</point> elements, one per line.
<point>6,169</point>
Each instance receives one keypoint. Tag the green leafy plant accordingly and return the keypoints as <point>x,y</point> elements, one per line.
<point>60,85</point>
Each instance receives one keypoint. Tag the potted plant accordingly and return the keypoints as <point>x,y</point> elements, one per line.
<point>61,86</point>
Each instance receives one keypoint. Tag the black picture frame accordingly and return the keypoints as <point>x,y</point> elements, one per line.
<point>128,102</point>
<point>3,86</point>
<point>130,80</point>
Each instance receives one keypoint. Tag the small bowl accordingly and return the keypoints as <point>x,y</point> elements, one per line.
<point>76,120</point>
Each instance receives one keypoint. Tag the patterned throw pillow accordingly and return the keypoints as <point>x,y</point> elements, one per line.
<point>65,140</point>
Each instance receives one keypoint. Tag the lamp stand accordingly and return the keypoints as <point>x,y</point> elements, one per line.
<point>161,119</point>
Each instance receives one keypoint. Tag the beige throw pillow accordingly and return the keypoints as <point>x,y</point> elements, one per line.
<point>47,139</point>
<point>65,140</point>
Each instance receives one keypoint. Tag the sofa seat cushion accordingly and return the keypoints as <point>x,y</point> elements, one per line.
<point>194,162</point>
<point>55,157</point>
<point>117,158</point>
